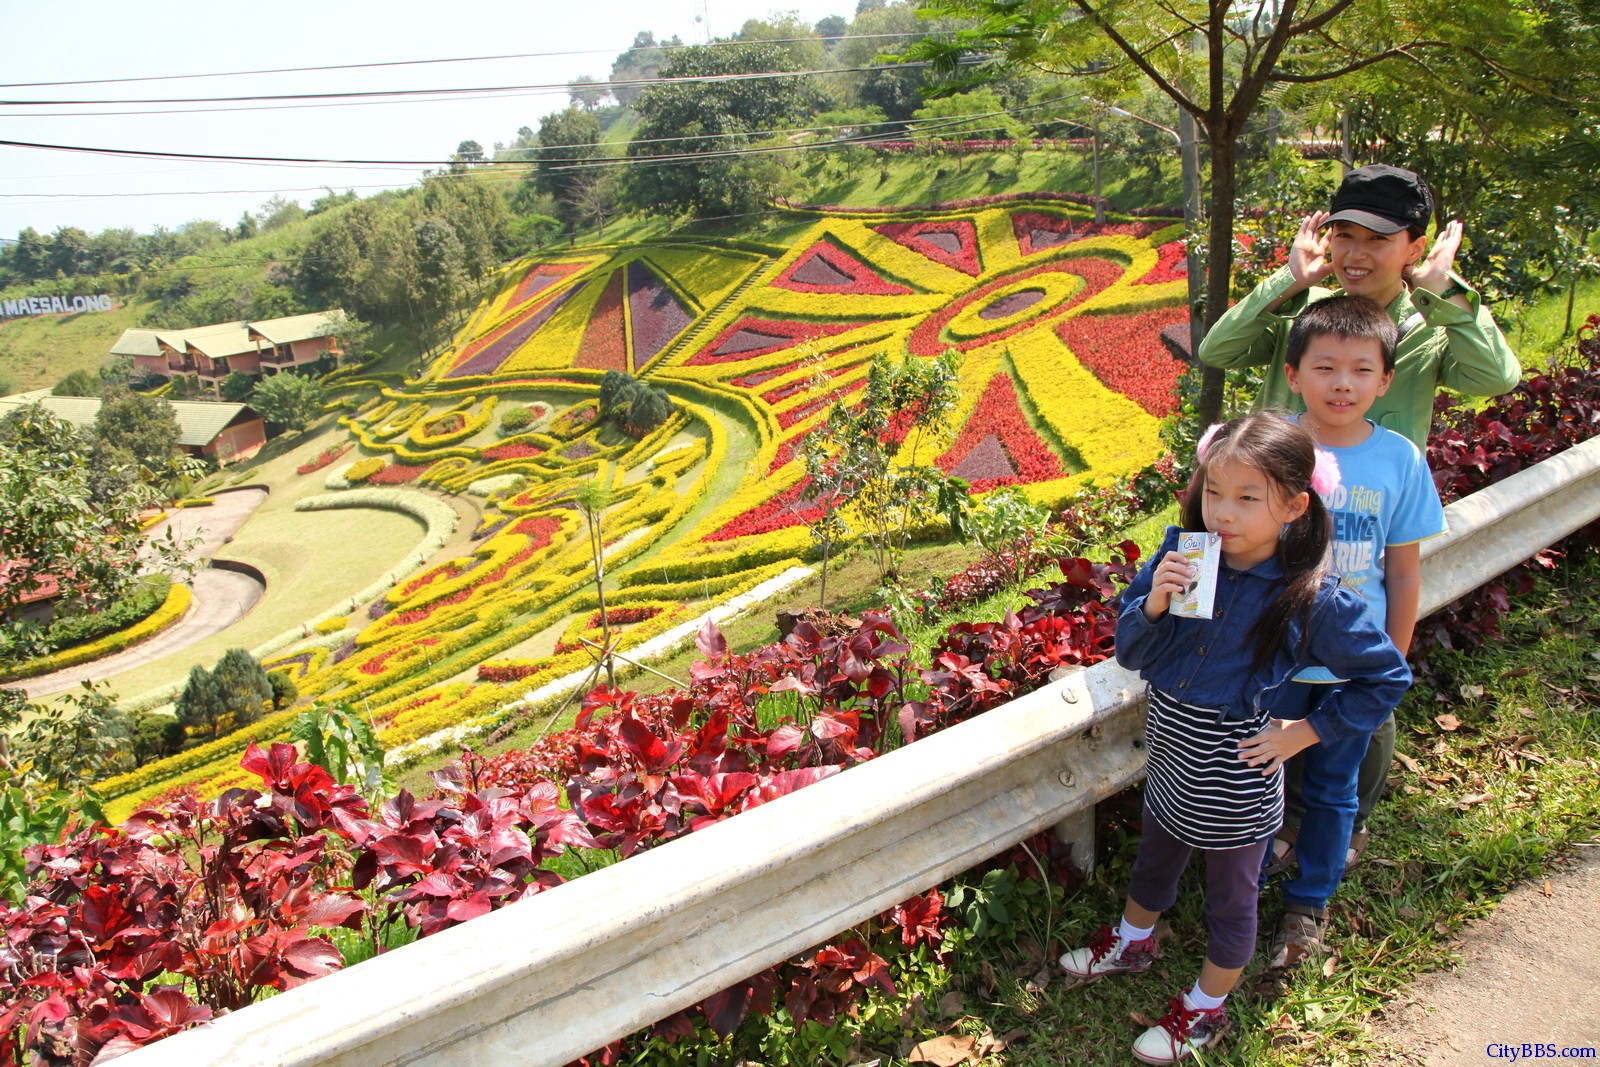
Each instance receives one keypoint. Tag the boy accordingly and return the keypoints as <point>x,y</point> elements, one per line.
<point>1339,360</point>
<point>1373,246</point>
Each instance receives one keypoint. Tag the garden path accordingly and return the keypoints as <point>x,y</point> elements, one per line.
<point>221,597</point>
<point>1529,974</point>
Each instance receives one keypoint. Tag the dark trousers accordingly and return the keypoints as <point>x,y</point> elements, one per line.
<point>1232,875</point>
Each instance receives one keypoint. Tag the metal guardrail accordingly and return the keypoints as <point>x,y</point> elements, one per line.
<point>561,974</point>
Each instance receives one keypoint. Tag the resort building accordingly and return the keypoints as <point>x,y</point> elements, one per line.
<point>222,433</point>
<point>209,354</point>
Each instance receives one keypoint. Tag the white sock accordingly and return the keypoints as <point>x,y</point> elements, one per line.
<point>1195,1000</point>
<point>1127,932</point>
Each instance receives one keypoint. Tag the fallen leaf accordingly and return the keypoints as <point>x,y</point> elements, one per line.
<point>947,1051</point>
<point>1040,981</point>
<point>1408,763</point>
<point>1547,890</point>
<point>1329,965</point>
<point>1472,692</point>
<point>1472,799</point>
<point>952,1003</point>
<point>1141,1019</point>
<point>1441,929</point>
<point>1527,713</point>
<point>1520,672</point>
<point>1447,721</point>
<point>913,1012</point>
<point>1408,913</point>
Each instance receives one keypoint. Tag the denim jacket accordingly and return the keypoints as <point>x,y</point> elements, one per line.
<point>1208,661</point>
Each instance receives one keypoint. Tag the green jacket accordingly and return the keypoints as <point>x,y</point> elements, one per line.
<point>1444,346</point>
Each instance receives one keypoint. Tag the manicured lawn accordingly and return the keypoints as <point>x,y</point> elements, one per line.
<point>310,560</point>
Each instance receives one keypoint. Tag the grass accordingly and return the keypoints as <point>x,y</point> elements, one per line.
<point>38,351</point>
<point>309,559</point>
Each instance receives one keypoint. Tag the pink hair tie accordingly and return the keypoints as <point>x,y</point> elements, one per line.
<point>1325,476</point>
<point>1205,441</point>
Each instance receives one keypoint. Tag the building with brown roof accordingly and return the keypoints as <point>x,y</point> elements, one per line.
<point>209,354</point>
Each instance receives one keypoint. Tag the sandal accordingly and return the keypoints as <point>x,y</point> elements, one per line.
<point>1298,939</point>
<point>1358,845</point>
<point>1281,856</point>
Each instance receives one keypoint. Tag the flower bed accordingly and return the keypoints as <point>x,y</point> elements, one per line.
<point>395,474</point>
<point>325,457</point>
<point>780,319</point>
<point>605,342</point>
<point>1126,352</point>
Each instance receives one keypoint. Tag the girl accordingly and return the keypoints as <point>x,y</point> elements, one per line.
<point>1214,780</point>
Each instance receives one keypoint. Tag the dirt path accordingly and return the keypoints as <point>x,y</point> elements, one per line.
<point>221,597</point>
<point>1529,975</point>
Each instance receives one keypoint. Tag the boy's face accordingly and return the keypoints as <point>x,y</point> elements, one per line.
<point>1371,264</point>
<point>1339,378</point>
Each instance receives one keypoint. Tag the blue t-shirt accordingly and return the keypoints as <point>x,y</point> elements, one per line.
<point>1386,497</point>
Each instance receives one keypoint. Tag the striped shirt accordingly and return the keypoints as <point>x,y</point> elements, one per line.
<point>1197,785</point>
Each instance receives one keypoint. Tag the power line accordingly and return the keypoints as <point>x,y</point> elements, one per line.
<point>663,46</point>
<point>465,90</point>
<point>316,161</point>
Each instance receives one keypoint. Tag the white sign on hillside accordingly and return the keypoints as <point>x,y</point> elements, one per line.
<point>55,305</point>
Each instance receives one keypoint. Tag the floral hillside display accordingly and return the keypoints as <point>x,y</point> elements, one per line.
<point>1062,380</point>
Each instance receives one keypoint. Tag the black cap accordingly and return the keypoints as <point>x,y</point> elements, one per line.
<point>1382,198</point>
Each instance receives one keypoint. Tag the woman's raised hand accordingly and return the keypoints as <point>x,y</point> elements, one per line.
<point>1308,255</point>
<point>1433,272</point>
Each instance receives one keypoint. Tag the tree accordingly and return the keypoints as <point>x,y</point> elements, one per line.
<point>592,499</point>
<point>976,113</point>
<point>77,742</point>
<point>142,427</point>
<point>830,28</point>
<point>468,152</point>
<point>52,531</point>
<point>442,268</point>
<point>896,91</point>
<point>69,251</point>
<point>116,374</point>
<point>640,63</point>
<point>200,704</point>
<point>236,387</point>
<point>855,480</point>
<point>567,139</point>
<point>588,93</point>
<point>1216,64</point>
<point>288,399</point>
<point>279,212</point>
<point>77,383</point>
<point>284,691</point>
<point>242,685</point>
<point>735,174</point>
<point>594,197</point>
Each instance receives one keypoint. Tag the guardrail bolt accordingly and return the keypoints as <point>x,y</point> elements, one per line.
<point>1066,778</point>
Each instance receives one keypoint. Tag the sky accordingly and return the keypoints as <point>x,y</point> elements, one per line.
<point>102,39</point>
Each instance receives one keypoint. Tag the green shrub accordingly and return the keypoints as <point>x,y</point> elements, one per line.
<point>138,604</point>
<point>515,421</point>
<point>284,691</point>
